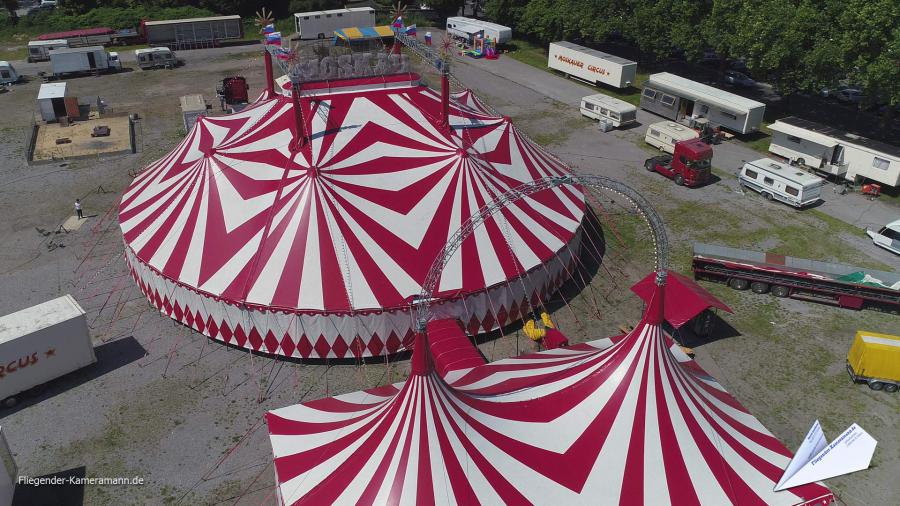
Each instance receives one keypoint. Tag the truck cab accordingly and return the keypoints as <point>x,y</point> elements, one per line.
<point>689,164</point>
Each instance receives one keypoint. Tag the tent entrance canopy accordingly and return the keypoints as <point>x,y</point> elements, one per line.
<point>684,298</point>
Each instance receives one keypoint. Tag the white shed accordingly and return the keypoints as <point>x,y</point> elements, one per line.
<point>52,101</point>
<point>835,152</point>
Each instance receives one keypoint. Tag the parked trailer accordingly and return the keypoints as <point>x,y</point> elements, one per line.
<point>677,98</point>
<point>322,24</point>
<point>665,134</point>
<point>101,36</point>
<point>39,50</point>
<point>778,181</point>
<point>155,57</point>
<point>834,152</point>
<point>41,343</point>
<point>468,28</point>
<point>829,283</point>
<point>193,33</point>
<point>874,359</point>
<point>8,74</point>
<point>77,60</point>
<point>595,67</point>
<point>608,109</point>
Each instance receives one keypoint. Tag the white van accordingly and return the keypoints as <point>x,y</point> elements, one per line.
<point>779,181</point>
<point>8,74</point>
<point>154,57</point>
<point>665,134</point>
<point>39,50</point>
<point>603,107</point>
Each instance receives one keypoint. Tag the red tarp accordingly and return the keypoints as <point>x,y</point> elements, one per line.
<point>84,32</point>
<point>685,299</point>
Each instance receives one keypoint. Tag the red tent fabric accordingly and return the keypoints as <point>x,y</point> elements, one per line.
<point>611,422</point>
<point>685,298</point>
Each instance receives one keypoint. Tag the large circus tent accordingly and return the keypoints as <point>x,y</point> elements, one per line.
<point>623,420</point>
<point>302,227</point>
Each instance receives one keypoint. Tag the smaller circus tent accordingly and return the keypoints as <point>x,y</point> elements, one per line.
<point>315,249</point>
<point>685,298</point>
<point>628,420</point>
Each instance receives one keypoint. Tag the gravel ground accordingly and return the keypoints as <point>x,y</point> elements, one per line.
<point>185,413</point>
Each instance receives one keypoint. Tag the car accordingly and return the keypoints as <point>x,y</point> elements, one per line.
<point>48,4</point>
<point>849,96</point>
<point>887,237</point>
<point>738,79</point>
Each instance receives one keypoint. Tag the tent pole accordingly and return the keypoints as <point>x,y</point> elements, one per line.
<point>270,82</point>
<point>300,140</point>
<point>445,99</point>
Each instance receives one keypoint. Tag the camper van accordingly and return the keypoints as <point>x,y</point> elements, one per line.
<point>155,57</point>
<point>665,134</point>
<point>605,108</point>
<point>39,50</point>
<point>779,181</point>
<point>8,74</point>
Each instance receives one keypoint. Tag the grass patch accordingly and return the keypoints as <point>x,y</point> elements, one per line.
<point>532,54</point>
<point>13,54</point>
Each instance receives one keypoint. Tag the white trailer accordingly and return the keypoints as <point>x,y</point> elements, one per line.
<point>322,24</point>
<point>9,475</point>
<point>677,98</point>
<point>665,134</point>
<point>76,60</point>
<point>155,57</point>
<point>42,343</point>
<point>8,74</point>
<point>39,50</point>
<point>468,28</point>
<point>590,65</point>
<point>778,181</point>
<point>835,152</point>
<point>611,110</point>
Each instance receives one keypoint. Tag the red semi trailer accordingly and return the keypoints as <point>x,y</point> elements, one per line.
<point>783,276</point>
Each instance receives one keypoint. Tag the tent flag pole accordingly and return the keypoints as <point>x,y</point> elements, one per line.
<point>270,81</point>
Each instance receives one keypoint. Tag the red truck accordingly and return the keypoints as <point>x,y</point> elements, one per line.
<point>688,165</point>
<point>798,278</point>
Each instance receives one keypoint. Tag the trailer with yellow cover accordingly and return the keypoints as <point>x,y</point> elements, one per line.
<point>874,359</point>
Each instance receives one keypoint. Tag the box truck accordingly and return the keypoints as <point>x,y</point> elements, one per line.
<point>590,65</point>
<point>322,24</point>
<point>78,60</point>
<point>41,343</point>
<point>874,359</point>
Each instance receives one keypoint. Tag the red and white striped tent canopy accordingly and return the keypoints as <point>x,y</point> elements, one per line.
<point>315,251</point>
<point>628,420</point>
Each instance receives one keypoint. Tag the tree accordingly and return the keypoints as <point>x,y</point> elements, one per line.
<point>445,8</point>
<point>869,42</point>
<point>11,6</point>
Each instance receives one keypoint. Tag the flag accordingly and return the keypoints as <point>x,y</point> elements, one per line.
<point>273,38</point>
<point>270,28</point>
<point>398,23</point>
<point>283,53</point>
<point>411,30</point>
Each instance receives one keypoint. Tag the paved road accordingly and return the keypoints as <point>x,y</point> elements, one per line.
<point>853,209</point>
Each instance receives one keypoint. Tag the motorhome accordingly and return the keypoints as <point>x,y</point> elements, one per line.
<point>39,50</point>
<point>677,98</point>
<point>665,134</point>
<point>834,152</point>
<point>155,57</point>
<point>779,181</point>
<point>8,74</point>
<point>591,65</point>
<point>605,108</point>
<point>468,29</point>
<point>322,24</point>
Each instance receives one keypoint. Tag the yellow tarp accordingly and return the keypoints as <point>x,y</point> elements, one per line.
<point>875,355</point>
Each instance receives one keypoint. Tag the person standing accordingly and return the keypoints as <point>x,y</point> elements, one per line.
<point>78,209</point>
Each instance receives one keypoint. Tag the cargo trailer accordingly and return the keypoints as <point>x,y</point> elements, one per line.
<point>840,285</point>
<point>80,60</point>
<point>322,24</point>
<point>834,152</point>
<point>83,37</point>
<point>677,98</point>
<point>595,67</point>
<point>874,359</point>
<point>468,29</point>
<point>39,50</point>
<point>193,33</point>
<point>41,343</point>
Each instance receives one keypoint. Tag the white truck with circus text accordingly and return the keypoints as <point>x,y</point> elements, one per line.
<point>41,343</point>
<point>591,65</point>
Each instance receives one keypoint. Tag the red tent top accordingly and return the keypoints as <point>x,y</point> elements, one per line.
<point>684,298</point>
<point>84,32</point>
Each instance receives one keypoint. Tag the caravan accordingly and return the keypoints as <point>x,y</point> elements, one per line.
<point>665,134</point>
<point>8,74</point>
<point>39,50</point>
<point>605,108</point>
<point>155,57</point>
<point>779,181</point>
<point>468,29</point>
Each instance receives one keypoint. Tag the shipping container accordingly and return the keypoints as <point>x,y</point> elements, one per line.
<point>42,343</point>
<point>322,24</point>
<point>677,98</point>
<point>193,33</point>
<point>590,65</point>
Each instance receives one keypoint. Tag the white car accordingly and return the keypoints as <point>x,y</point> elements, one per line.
<point>888,237</point>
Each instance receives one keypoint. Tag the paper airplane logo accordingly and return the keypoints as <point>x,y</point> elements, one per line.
<point>817,460</point>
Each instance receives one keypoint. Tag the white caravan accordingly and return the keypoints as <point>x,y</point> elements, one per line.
<point>155,57</point>
<point>39,50</point>
<point>605,108</point>
<point>591,65</point>
<point>778,181</point>
<point>665,134</point>
<point>322,24</point>
<point>467,28</point>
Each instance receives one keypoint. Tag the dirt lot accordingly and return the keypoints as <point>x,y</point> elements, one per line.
<point>184,413</point>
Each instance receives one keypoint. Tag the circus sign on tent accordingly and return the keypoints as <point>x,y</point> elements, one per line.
<point>349,66</point>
